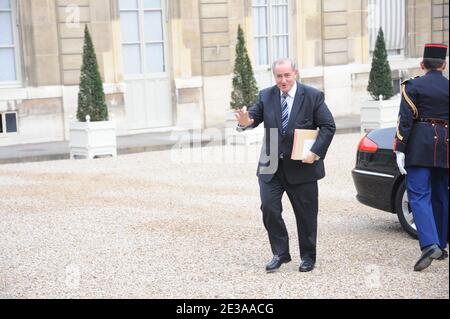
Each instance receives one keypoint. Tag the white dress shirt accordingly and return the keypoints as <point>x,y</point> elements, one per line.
<point>290,101</point>
<point>290,98</point>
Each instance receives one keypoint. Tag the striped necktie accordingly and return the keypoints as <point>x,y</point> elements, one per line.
<point>284,112</point>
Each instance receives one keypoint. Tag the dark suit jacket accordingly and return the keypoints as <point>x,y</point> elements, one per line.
<point>424,143</point>
<point>309,111</point>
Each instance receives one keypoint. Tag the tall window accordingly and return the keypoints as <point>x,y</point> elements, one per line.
<point>270,30</point>
<point>142,36</point>
<point>390,15</point>
<point>8,50</point>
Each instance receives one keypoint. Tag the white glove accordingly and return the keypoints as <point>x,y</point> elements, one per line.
<point>401,162</point>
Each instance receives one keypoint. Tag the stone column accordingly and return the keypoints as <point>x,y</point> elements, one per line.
<point>419,26</point>
<point>439,23</point>
<point>40,43</point>
<point>308,33</point>
<point>72,17</point>
<point>186,60</point>
<point>217,28</point>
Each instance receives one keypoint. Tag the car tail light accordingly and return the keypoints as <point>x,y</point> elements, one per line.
<point>367,145</point>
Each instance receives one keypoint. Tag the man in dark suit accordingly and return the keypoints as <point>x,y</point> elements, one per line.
<point>421,146</point>
<point>283,108</point>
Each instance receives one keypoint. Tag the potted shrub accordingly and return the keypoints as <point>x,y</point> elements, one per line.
<point>245,91</point>
<point>379,110</point>
<point>94,133</point>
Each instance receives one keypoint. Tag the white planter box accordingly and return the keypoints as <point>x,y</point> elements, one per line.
<point>91,139</point>
<point>379,114</point>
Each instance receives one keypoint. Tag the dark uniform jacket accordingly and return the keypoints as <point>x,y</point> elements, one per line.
<point>309,111</point>
<point>422,131</point>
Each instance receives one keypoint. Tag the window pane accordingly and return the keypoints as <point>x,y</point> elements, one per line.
<point>275,48</point>
<point>131,58</point>
<point>5,4</point>
<point>276,20</point>
<point>155,58</point>
<point>1,123</point>
<point>260,28</point>
<point>260,21</point>
<point>279,20</point>
<point>390,15</point>
<point>7,65</point>
<point>128,4</point>
<point>280,47</point>
<point>129,26</point>
<point>285,46</point>
<point>261,51</point>
<point>11,123</point>
<point>152,4</point>
<point>6,34</point>
<point>153,26</point>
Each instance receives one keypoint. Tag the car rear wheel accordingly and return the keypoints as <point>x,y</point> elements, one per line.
<point>404,212</point>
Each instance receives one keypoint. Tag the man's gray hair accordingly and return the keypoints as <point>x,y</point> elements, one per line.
<point>283,61</point>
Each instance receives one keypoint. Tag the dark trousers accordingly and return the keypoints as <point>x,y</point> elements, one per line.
<point>428,197</point>
<point>304,200</point>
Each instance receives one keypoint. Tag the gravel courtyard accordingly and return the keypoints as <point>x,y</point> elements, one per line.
<point>148,226</point>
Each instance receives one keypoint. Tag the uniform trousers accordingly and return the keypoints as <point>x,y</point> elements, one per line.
<point>428,197</point>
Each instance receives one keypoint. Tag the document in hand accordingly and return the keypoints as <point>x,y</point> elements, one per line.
<point>303,141</point>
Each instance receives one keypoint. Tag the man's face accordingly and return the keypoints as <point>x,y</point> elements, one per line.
<point>285,76</point>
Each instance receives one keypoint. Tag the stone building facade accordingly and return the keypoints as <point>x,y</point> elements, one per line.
<point>167,64</point>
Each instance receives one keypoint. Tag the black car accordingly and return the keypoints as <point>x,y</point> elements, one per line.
<point>377,179</point>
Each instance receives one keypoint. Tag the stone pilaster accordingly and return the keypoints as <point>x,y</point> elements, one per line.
<point>40,43</point>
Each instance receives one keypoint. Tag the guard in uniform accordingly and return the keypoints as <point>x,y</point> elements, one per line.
<point>421,147</point>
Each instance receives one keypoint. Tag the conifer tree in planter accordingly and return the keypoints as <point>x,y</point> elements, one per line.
<point>245,89</point>
<point>380,110</point>
<point>93,134</point>
<point>380,78</point>
<point>91,98</point>
<point>245,92</point>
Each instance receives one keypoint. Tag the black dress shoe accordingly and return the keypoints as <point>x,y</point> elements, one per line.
<point>276,262</point>
<point>306,266</point>
<point>444,255</point>
<point>428,254</point>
